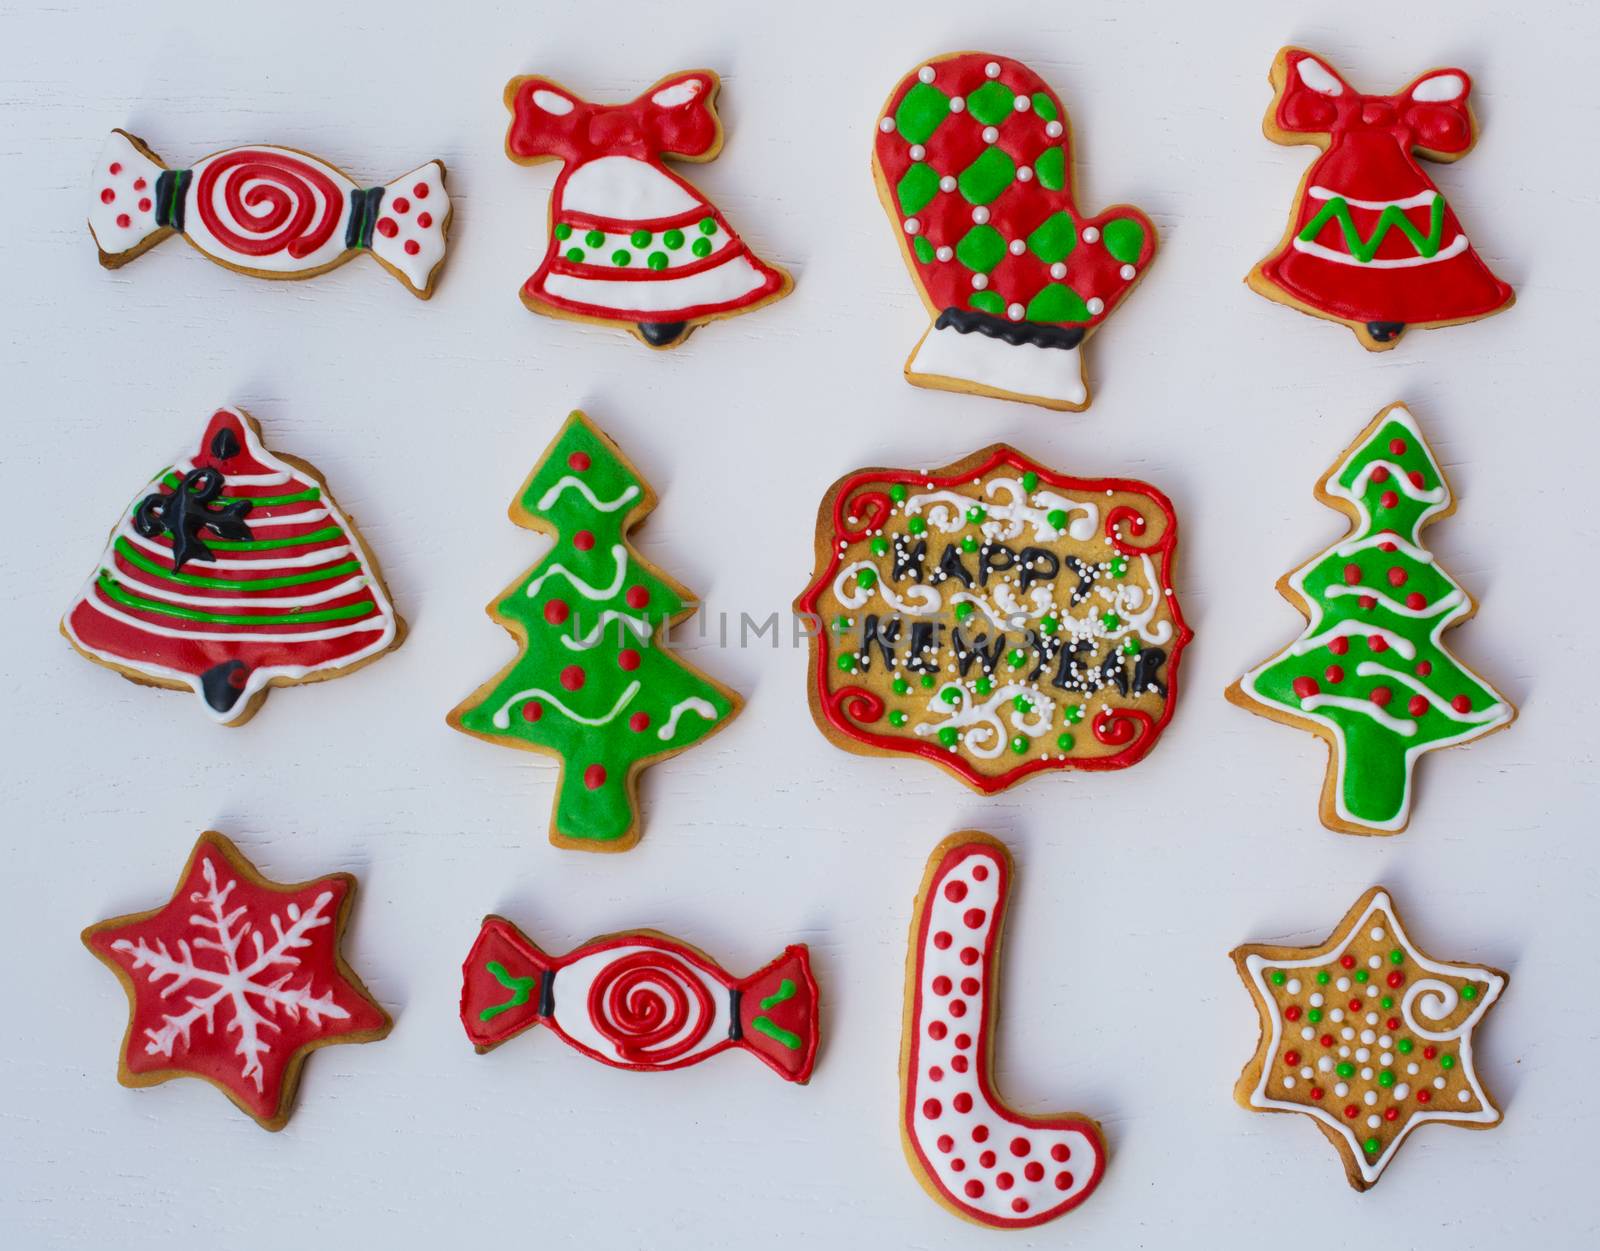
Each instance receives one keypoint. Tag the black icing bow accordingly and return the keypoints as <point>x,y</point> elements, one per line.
<point>187,511</point>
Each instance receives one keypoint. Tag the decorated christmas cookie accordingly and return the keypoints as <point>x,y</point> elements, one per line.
<point>640,1000</point>
<point>271,212</point>
<point>1370,673</point>
<point>1371,242</point>
<point>973,163</point>
<point>231,572</point>
<point>995,617</point>
<point>631,243</point>
<point>595,685</point>
<point>236,980</point>
<point>1367,1035</point>
<point>973,1154</point>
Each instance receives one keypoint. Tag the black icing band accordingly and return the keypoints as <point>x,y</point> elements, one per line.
<point>172,189</point>
<point>1016,333</point>
<point>735,1029</point>
<point>363,216</point>
<point>547,994</point>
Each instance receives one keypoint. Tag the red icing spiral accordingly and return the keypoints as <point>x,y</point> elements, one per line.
<point>860,515</point>
<point>285,204</point>
<point>650,1007</point>
<point>1117,726</point>
<point>857,703</point>
<point>1123,516</point>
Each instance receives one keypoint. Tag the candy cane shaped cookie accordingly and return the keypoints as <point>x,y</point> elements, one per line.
<point>973,1154</point>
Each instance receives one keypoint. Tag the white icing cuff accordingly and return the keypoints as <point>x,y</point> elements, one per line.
<point>1025,372</point>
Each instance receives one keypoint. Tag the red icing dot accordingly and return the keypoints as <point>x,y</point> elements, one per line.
<point>974,1189</point>
<point>1377,643</point>
<point>556,611</point>
<point>1352,573</point>
<point>1316,1092</point>
<point>1416,478</point>
<point>107,195</point>
<point>573,677</point>
<point>387,227</point>
<point>402,206</point>
<point>1388,499</point>
<point>1389,1114</point>
<point>1429,1053</point>
<point>1063,1181</point>
<point>424,220</point>
<point>628,659</point>
<point>962,1102</point>
<point>932,1109</point>
<point>1019,1206</point>
<point>1350,1110</point>
<point>1381,695</point>
<point>1333,674</point>
<point>960,1063</point>
<point>973,917</point>
<point>958,1007</point>
<point>1292,1012</point>
<point>941,985</point>
<point>955,892</point>
<point>1416,705</point>
<point>1004,1181</point>
<point>969,986</point>
<point>583,540</point>
<point>1326,1040</point>
<point>936,1074</point>
<point>139,184</point>
<point>124,220</point>
<point>1397,978</point>
<point>532,710</point>
<point>1424,1096</point>
<point>637,597</point>
<point>594,777</point>
<point>1392,1023</point>
<point>144,206</point>
<point>1366,601</point>
<point>1339,646</point>
<point>969,955</point>
<point>1416,600</point>
<point>1034,1171</point>
<point>1060,1152</point>
<point>942,940</point>
<point>1347,962</point>
<point>1461,704</point>
<point>946,1143</point>
<point>1291,1058</point>
<point>420,191</point>
<point>1424,668</point>
<point>958,1166</point>
<point>1380,474</point>
<point>412,247</point>
<point>980,873</point>
<point>937,1030</point>
<point>963,1041</point>
<point>986,1160</point>
<point>116,167</point>
<point>1397,576</point>
<point>639,722</point>
<point>1305,688</point>
<point>980,1133</point>
<point>1386,546</point>
<point>1020,1147</point>
<point>578,461</point>
<point>1397,447</point>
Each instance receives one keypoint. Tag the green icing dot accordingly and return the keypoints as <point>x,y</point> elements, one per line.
<point>948,737</point>
<point>880,546</point>
<point>1405,1046</point>
<point>1346,1069</point>
<point>1018,658</point>
<point>1054,238</point>
<point>1314,1015</point>
<point>901,686</point>
<point>1322,978</point>
<point>673,239</point>
<point>963,611</point>
<point>1057,517</point>
<point>1056,301</point>
<point>1447,1062</point>
<point>977,516</point>
<point>923,249</point>
<point>1362,975</point>
<point>1022,704</point>
<point>897,717</point>
<point>981,249</point>
<point>916,525</point>
<point>575,255</point>
<point>916,187</point>
<point>866,578</point>
<point>897,493</point>
<point>969,544</point>
<point>1051,169</point>
<point>1397,956</point>
<point>990,302</point>
<point>1124,239</point>
<point>847,663</point>
<point>1371,1146</point>
<point>991,103</point>
<point>1019,745</point>
<point>708,225</point>
<point>656,260</point>
<point>1064,742</point>
<point>950,694</point>
<point>563,231</point>
<point>983,686</point>
<point>1030,481</point>
<point>986,178</point>
<point>1279,977</point>
<point>1386,1078</point>
<point>927,681</point>
<point>640,238</point>
<point>621,256</point>
<point>701,247</point>
<point>1045,107</point>
<point>1469,992</point>
<point>595,238</point>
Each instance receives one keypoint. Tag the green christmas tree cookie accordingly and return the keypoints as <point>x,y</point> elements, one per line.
<point>594,684</point>
<point>1370,673</point>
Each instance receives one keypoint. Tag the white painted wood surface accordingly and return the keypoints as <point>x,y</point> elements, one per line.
<point>424,417</point>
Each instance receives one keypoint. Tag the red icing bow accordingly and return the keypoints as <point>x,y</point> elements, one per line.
<point>1430,113</point>
<point>676,116</point>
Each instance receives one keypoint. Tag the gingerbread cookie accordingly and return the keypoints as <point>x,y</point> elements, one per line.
<point>971,1152</point>
<point>1370,673</point>
<point>233,572</point>
<point>595,685</point>
<point>632,244</point>
<point>1368,1035</point>
<point>1371,243</point>
<point>994,617</point>
<point>236,980</point>
<point>640,1000</point>
<point>973,162</point>
<point>269,212</point>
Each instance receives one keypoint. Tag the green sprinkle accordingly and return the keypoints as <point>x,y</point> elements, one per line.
<point>897,493</point>
<point>708,225</point>
<point>1386,1002</point>
<point>1447,1062</point>
<point>866,578</point>
<point>841,624</point>
<point>1386,1078</point>
<point>948,737</point>
<point>1057,517</point>
<point>640,238</point>
<point>950,694</point>
<point>673,239</point>
<point>847,663</point>
<point>1362,975</point>
<point>927,681</point>
<point>1019,744</point>
<point>1074,714</point>
<point>1110,620</point>
<point>563,231</point>
<point>963,611</point>
<point>1017,659</point>
<point>916,525</point>
<point>621,256</point>
<point>575,255</point>
<point>1131,646</point>
<point>1397,956</point>
<point>880,546</point>
<point>656,260</point>
<point>1119,566</point>
<point>701,247</point>
<point>897,717</point>
<point>1064,742</point>
<point>1405,1046</point>
<point>983,686</point>
<point>1279,977</point>
<point>1371,1146</point>
<point>1022,704</point>
<point>977,516</point>
<point>901,686</point>
<point>1030,481</point>
<point>1346,1069</point>
<point>1049,625</point>
<point>1469,992</point>
<point>1322,978</point>
<point>1314,1015</point>
<point>595,238</point>
<point>969,544</point>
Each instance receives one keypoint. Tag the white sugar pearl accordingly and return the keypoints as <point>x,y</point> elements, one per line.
<point>1370,1098</point>
<point>1341,1090</point>
<point>990,134</point>
<point>1367,1036</point>
<point>886,125</point>
<point>912,225</point>
<point>1371,991</point>
<point>1343,984</point>
<point>945,253</point>
<point>1294,986</point>
<point>1307,1073</point>
<point>1366,1074</point>
<point>957,104</point>
<point>980,281</point>
<point>1127,272</point>
<point>1017,247</point>
<point>1288,1083</point>
<point>1462,1096</point>
<point>1374,962</point>
<point>1363,1055</point>
<point>1053,129</point>
<point>918,152</point>
<point>1377,934</point>
<point>1015,311</point>
<point>1022,104</point>
<point>1096,306</point>
<point>1372,1018</point>
<point>1325,1064</point>
<point>992,70</point>
<point>926,73</point>
<point>1308,1033</point>
<point>1058,270</point>
<point>1438,1083</point>
<point>1091,234</point>
<point>1412,1069</point>
<point>980,215</point>
<point>947,183</point>
<point>1385,1041</point>
<point>1386,1057</point>
<point>1374,1121</point>
<point>1344,1053</point>
<point>1317,1000</point>
<point>1401,1091</point>
<point>1024,173</point>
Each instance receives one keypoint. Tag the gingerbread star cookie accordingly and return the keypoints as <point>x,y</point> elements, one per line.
<point>1367,1034</point>
<point>236,980</point>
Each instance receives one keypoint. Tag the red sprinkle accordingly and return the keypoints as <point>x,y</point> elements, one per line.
<point>1292,1012</point>
<point>1326,1040</point>
<point>1291,1058</point>
<point>1350,1110</point>
<point>1355,1005</point>
<point>1316,1092</point>
<point>1389,1114</point>
<point>1396,978</point>
<point>1424,1096</point>
<point>1392,1023</point>
<point>1429,1053</point>
<point>1347,962</point>
<point>594,777</point>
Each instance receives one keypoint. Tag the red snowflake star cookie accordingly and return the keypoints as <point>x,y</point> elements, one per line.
<point>1368,1035</point>
<point>236,979</point>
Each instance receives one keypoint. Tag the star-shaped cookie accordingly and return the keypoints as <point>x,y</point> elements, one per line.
<point>236,979</point>
<point>1368,1035</point>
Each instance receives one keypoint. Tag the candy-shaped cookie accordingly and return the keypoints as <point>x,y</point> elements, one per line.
<point>631,243</point>
<point>640,1000</point>
<point>1371,673</point>
<point>1367,1035</point>
<point>595,685</point>
<point>995,617</point>
<point>267,211</point>
<point>236,980</point>
<point>972,1153</point>
<point>1371,242</point>
<point>232,572</point>
<point>973,162</point>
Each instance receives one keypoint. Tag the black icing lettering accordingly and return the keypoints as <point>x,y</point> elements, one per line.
<point>981,648</point>
<point>950,565</point>
<point>1038,565</point>
<point>885,633</point>
<point>908,558</point>
<point>989,561</point>
<point>1145,671</point>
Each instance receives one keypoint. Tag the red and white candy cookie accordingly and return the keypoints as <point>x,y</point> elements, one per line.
<point>973,1154</point>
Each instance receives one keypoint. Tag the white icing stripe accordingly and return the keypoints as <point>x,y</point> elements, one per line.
<point>502,716</point>
<point>1344,629</point>
<point>927,598</point>
<point>618,553</point>
<point>578,976</point>
<point>298,519</point>
<point>1416,553</point>
<point>349,586</point>
<point>721,284</point>
<point>569,483</point>
<point>596,636</point>
<point>986,737</point>
<point>375,622</point>
<point>1400,726</point>
<point>1371,668</point>
<point>322,556</point>
<point>1443,604</point>
<point>693,704</point>
<point>184,467</point>
<point>1399,478</point>
<point>1410,202</point>
<point>1456,247</point>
